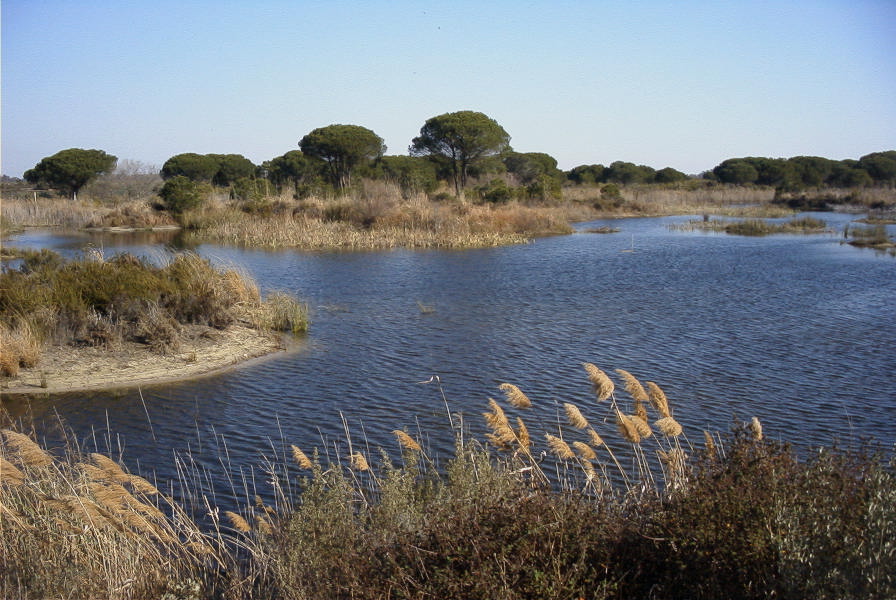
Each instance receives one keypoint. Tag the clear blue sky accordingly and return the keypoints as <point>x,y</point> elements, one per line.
<point>680,84</point>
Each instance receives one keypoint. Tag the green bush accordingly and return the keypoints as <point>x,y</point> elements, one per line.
<point>180,194</point>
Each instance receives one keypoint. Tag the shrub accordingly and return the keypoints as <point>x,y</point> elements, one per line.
<point>181,194</point>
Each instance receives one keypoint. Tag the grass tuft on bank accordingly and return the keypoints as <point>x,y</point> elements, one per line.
<point>633,508</point>
<point>94,301</point>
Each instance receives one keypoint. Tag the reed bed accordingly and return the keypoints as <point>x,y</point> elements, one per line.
<point>588,508</point>
<point>756,227</point>
<point>387,221</point>
<point>81,526</point>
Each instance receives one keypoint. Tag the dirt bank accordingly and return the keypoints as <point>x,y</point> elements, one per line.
<point>203,351</point>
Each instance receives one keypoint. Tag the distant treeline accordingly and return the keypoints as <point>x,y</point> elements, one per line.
<point>532,168</point>
<point>461,149</point>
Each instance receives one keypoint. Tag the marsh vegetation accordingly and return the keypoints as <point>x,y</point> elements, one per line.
<point>95,301</point>
<point>613,500</point>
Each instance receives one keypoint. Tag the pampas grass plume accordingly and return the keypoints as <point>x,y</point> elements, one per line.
<point>669,426</point>
<point>559,447</point>
<point>238,522</point>
<point>301,458</point>
<point>406,441</point>
<point>600,381</point>
<point>574,416</point>
<point>658,399</point>
<point>515,395</point>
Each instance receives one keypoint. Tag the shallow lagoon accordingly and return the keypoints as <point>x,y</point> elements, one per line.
<point>797,330</point>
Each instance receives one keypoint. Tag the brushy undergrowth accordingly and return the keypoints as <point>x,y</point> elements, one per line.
<point>756,227</point>
<point>93,301</point>
<point>580,511</point>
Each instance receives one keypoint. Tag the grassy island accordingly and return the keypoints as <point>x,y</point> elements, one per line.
<point>50,306</point>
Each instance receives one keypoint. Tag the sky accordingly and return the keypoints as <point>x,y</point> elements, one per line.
<point>678,83</point>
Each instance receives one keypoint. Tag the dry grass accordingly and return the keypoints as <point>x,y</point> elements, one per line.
<point>563,520</point>
<point>97,302</point>
<point>20,346</point>
<point>81,527</point>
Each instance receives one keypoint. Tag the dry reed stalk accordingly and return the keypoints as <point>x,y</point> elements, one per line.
<point>515,395</point>
<point>585,451</point>
<point>112,469</point>
<point>142,486</point>
<point>502,434</point>
<point>358,462</point>
<point>559,447</point>
<point>264,525</point>
<point>675,460</point>
<point>658,399</point>
<point>406,441</point>
<point>240,287</point>
<point>756,429</point>
<point>669,426</point>
<point>301,458</point>
<point>641,425</point>
<point>574,416</point>
<point>595,439</point>
<point>9,474</point>
<point>710,443</point>
<point>238,522</point>
<point>113,496</point>
<point>27,450</point>
<point>601,383</point>
<point>628,429</point>
<point>522,435</point>
<point>633,386</point>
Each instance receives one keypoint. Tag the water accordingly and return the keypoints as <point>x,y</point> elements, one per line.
<point>797,330</point>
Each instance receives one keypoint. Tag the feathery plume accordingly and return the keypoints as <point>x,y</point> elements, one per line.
<point>559,447</point>
<point>574,416</point>
<point>641,425</point>
<point>675,460</point>
<point>406,441</point>
<point>301,459</point>
<point>111,468</point>
<point>601,383</point>
<point>10,474</point>
<point>142,486</point>
<point>585,451</point>
<point>633,386</point>
<point>595,439</point>
<point>27,450</point>
<point>263,525</point>
<point>628,429</point>
<point>522,434</point>
<point>709,443</point>
<point>756,429</point>
<point>238,522</point>
<point>358,462</point>
<point>502,434</point>
<point>669,426</point>
<point>658,399</point>
<point>515,395</point>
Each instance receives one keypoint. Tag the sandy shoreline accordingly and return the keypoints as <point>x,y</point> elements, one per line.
<point>66,369</point>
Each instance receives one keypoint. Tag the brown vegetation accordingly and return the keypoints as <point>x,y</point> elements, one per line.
<point>104,303</point>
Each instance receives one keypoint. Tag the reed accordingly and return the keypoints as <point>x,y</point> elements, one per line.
<point>547,516</point>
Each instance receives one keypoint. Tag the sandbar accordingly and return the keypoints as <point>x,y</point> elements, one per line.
<point>203,352</point>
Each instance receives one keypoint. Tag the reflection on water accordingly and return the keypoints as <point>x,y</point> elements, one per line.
<point>797,330</point>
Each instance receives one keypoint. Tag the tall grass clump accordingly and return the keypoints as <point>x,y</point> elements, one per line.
<point>80,526</point>
<point>94,301</point>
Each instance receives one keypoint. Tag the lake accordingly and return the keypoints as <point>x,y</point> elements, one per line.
<point>796,330</point>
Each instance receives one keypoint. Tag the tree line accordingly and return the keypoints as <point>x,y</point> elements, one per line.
<point>454,148</point>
